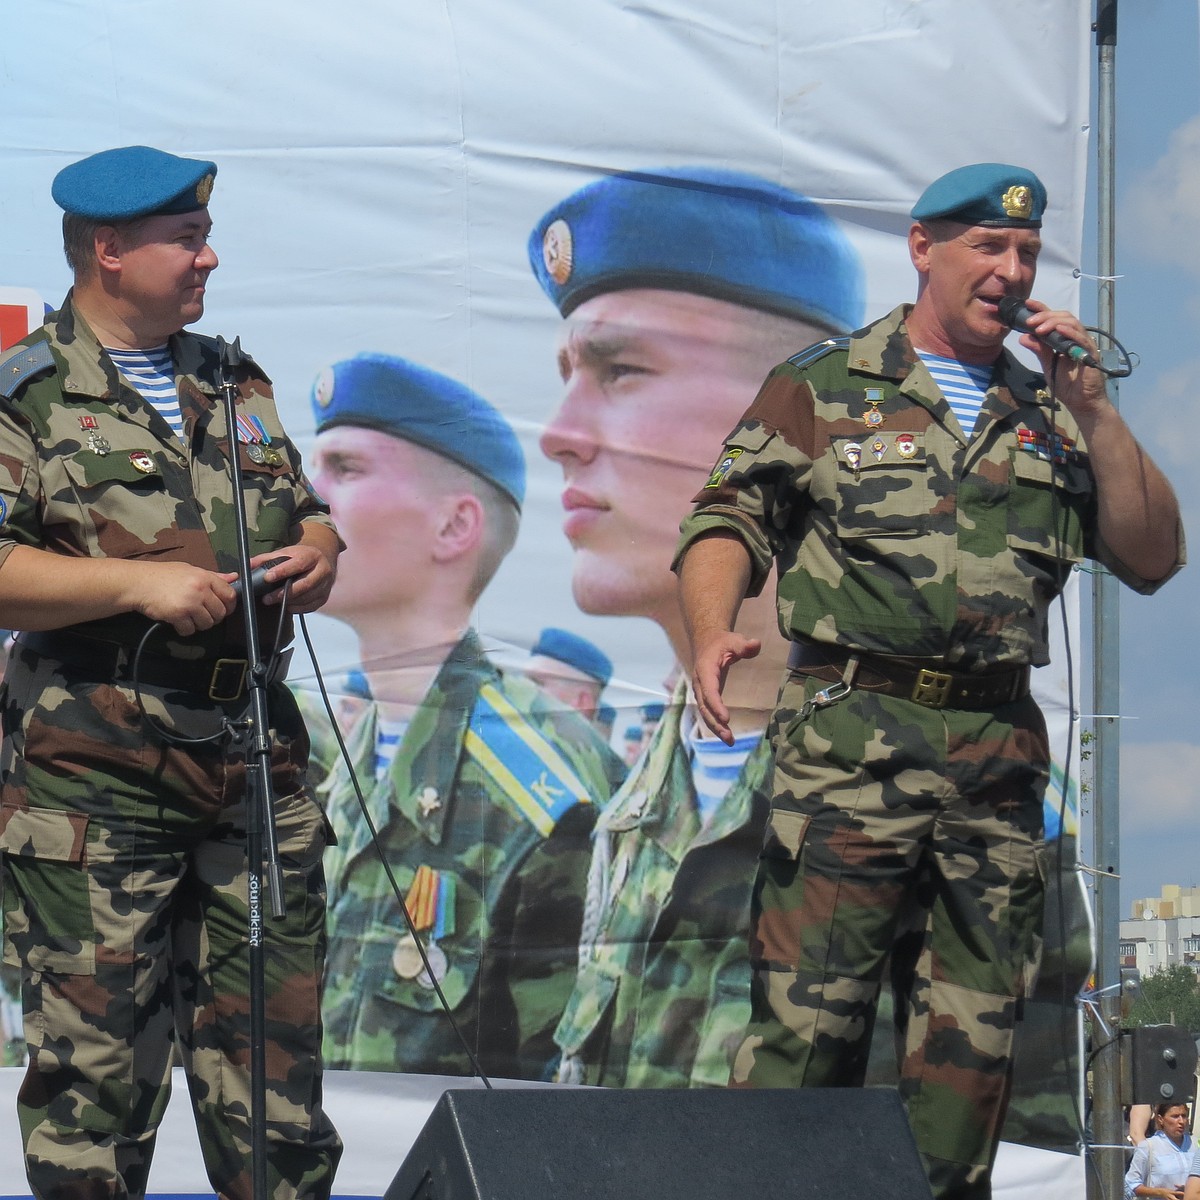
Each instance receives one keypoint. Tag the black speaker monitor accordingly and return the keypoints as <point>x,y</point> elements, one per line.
<point>587,1143</point>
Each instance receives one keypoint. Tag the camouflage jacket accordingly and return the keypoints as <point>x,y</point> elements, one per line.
<point>492,792</point>
<point>903,536</point>
<point>662,995</point>
<point>89,469</point>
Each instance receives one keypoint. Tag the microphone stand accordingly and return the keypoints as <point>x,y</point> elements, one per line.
<point>262,844</point>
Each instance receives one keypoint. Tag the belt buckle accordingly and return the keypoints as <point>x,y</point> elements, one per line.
<point>225,671</point>
<point>932,688</point>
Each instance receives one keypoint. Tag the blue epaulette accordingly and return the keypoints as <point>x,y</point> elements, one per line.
<point>819,350</point>
<point>528,768</point>
<point>24,364</point>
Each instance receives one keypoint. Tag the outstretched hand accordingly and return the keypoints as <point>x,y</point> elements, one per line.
<point>709,670</point>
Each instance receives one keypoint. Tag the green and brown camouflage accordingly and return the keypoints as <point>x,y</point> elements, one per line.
<point>662,995</point>
<point>124,868</point>
<point>931,546</point>
<point>868,793</point>
<point>89,469</point>
<point>494,790</point>
<point>898,829</point>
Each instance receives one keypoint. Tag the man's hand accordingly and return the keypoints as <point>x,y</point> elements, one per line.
<point>711,665</point>
<point>1081,389</point>
<point>189,599</point>
<point>311,565</point>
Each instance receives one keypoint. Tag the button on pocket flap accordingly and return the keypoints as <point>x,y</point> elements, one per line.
<point>44,833</point>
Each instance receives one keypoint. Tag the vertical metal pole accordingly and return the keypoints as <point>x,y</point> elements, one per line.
<point>1105,1180</point>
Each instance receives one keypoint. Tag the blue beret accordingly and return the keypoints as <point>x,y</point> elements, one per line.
<point>713,232</point>
<point>395,396</point>
<point>633,733</point>
<point>606,715</point>
<point>985,194</point>
<point>653,711</point>
<point>576,652</point>
<point>133,181</point>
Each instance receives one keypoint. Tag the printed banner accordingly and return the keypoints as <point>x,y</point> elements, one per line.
<point>515,270</point>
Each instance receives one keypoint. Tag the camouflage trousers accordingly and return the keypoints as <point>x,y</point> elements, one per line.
<point>125,907</point>
<point>904,831</point>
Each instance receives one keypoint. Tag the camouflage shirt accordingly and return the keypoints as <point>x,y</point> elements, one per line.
<point>662,996</point>
<point>896,533</point>
<point>491,797</point>
<point>89,469</point>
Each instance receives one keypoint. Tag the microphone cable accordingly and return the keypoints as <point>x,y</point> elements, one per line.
<point>393,883</point>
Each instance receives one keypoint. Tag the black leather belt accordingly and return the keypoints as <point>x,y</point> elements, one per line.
<point>934,687</point>
<point>222,680</point>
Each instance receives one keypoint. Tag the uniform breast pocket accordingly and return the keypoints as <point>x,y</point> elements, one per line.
<point>1048,507</point>
<point>118,504</point>
<point>270,491</point>
<point>881,486</point>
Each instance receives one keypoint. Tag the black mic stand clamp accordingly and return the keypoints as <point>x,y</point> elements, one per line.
<point>262,844</point>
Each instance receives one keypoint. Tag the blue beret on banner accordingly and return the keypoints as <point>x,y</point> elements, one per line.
<point>993,194</point>
<point>576,652</point>
<point>714,232</point>
<point>398,397</point>
<point>131,182</point>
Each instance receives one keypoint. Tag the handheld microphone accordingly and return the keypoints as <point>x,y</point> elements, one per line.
<point>258,582</point>
<point>1017,315</point>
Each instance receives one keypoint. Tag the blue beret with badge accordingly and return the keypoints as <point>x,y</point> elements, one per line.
<point>994,194</point>
<point>131,182</point>
<point>714,232</point>
<point>576,652</point>
<point>398,397</point>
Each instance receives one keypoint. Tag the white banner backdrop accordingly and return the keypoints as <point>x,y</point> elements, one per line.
<point>382,164</point>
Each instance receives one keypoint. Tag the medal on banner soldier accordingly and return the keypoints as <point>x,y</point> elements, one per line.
<point>430,903</point>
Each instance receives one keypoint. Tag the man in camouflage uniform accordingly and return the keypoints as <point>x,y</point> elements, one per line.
<point>917,562</point>
<point>481,787</point>
<point>679,289</point>
<point>124,870</point>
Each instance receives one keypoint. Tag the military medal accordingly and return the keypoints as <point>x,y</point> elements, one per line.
<point>142,461</point>
<point>443,924</point>
<point>906,445</point>
<point>853,453</point>
<point>256,453</point>
<point>97,443</point>
<point>406,958</point>
<point>873,418</point>
<point>879,449</point>
<point>252,433</point>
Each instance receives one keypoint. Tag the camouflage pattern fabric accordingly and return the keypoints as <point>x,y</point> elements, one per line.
<point>899,535</point>
<point>492,796</point>
<point>123,860</point>
<point>662,996</point>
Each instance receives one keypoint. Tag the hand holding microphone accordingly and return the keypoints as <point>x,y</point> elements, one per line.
<point>1016,314</point>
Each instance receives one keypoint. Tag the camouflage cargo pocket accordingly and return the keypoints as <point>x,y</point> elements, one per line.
<point>880,497</point>
<point>1048,507</point>
<point>47,906</point>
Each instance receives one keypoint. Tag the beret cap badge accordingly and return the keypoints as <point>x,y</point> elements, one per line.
<point>1018,202</point>
<point>204,190</point>
<point>558,251</point>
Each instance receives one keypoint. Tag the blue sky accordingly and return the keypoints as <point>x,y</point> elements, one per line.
<point>1157,316</point>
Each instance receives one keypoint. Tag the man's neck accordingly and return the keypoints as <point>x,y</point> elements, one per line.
<point>401,660</point>
<point>114,324</point>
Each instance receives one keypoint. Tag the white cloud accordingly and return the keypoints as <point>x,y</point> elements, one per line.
<point>1160,785</point>
<point>1161,210</point>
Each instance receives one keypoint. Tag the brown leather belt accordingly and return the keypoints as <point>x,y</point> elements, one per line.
<point>933,687</point>
<point>222,679</point>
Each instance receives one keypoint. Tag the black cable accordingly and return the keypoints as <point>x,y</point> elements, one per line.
<point>227,728</point>
<point>387,867</point>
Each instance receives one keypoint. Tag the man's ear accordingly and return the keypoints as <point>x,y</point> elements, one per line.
<point>920,242</point>
<point>461,527</point>
<point>108,248</point>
